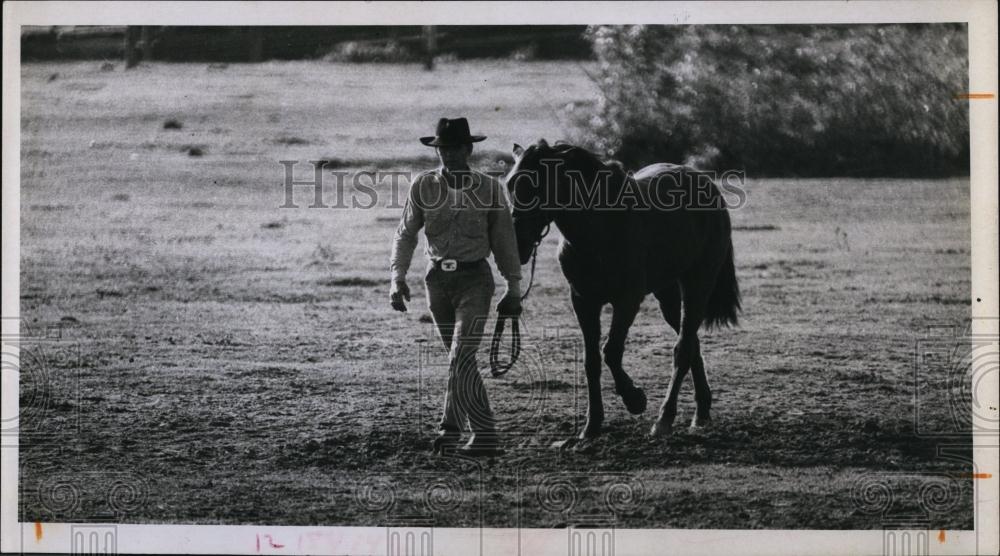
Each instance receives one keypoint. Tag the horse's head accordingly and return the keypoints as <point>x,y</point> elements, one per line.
<point>528,187</point>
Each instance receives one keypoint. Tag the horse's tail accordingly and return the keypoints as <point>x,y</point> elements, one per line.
<point>724,302</point>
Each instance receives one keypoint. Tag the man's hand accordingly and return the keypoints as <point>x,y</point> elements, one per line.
<point>510,305</point>
<point>397,293</point>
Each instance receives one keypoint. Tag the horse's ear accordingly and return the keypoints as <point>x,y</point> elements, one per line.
<point>518,150</point>
<point>543,143</point>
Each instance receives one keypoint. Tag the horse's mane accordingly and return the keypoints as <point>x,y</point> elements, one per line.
<point>570,150</point>
<point>582,156</point>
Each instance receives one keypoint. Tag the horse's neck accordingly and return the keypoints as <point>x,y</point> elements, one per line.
<point>587,229</point>
<point>587,226</point>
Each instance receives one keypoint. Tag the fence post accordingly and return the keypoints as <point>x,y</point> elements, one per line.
<point>256,44</point>
<point>131,54</point>
<point>146,42</point>
<point>430,46</point>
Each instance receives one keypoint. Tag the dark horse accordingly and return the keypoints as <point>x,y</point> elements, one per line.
<point>664,230</point>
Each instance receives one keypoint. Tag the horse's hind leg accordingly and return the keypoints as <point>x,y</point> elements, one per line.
<point>669,298</point>
<point>687,350</point>
<point>588,313</point>
<point>614,351</point>
<point>670,305</point>
<point>702,393</point>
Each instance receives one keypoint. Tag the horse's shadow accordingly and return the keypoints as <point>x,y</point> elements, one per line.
<point>746,440</point>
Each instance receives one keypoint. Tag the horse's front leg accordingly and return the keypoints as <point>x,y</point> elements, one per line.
<point>588,313</point>
<point>614,351</point>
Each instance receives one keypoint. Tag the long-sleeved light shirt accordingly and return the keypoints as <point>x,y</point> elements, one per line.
<point>465,223</point>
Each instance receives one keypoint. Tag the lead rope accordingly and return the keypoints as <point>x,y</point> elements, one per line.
<point>498,369</point>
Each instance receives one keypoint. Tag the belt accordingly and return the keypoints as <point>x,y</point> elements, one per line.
<point>451,265</point>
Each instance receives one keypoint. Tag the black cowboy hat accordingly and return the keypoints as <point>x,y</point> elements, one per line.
<point>451,132</point>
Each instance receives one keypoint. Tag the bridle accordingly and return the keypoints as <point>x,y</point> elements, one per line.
<point>498,369</point>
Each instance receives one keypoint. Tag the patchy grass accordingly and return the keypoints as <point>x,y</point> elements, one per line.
<point>487,160</point>
<point>351,281</point>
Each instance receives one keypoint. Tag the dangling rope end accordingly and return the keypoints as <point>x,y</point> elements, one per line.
<point>498,369</point>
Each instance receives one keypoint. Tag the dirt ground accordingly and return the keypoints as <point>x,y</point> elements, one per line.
<point>195,354</point>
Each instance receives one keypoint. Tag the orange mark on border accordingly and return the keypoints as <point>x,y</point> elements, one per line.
<point>974,96</point>
<point>38,531</point>
<point>941,536</point>
<point>976,476</point>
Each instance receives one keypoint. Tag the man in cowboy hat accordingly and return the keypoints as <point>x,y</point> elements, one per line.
<point>466,216</point>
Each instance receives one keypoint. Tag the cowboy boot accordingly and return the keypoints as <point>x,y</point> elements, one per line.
<point>483,444</point>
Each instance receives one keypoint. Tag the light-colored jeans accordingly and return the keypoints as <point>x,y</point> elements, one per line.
<point>460,304</point>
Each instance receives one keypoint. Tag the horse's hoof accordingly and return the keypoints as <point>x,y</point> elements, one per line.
<point>563,444</point>
<point>699,424</point>
<point>660,430</point>
<point>445,443</point>
<point>635,400</point>
<point>587,446</point>
<point>590,431</point>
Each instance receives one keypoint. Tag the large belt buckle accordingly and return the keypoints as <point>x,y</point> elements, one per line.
<point>449,265</point>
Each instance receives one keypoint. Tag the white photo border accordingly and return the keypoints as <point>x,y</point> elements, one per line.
<point>981,18</point>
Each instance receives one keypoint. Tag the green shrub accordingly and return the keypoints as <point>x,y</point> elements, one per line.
<point>784,100</point>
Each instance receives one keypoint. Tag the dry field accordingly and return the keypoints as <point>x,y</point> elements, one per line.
<point>196,354</point>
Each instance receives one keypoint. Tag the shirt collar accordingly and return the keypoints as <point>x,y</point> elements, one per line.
<point>443,174</point>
